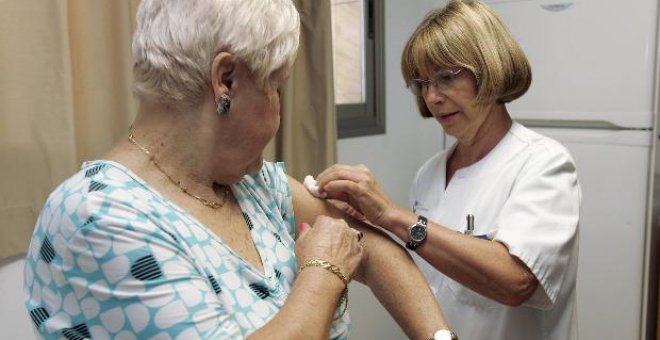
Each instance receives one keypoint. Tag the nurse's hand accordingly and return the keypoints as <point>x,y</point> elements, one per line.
<point>356,186</point>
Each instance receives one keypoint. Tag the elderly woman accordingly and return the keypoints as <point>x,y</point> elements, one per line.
<point>182,230</point>
<point>513,195</point>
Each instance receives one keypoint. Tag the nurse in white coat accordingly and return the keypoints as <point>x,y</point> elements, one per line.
<point>513,277</point>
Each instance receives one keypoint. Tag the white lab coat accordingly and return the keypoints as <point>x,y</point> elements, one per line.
<point>524,194</point>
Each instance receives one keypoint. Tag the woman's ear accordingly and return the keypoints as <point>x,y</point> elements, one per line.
<point>222,73</point>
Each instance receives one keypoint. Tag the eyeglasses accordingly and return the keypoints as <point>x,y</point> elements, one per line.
<point>440,81</point>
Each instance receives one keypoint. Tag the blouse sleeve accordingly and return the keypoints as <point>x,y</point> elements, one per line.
<point>539,221</point>
<point>277,185</point>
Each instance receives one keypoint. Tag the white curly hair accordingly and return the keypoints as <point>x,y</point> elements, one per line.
<point>175,42</point>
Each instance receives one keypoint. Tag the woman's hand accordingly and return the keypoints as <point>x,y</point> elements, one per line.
<point>356,186</point>
<point>331,240</point>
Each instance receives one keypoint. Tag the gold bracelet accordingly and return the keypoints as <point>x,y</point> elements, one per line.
<point>335,270</point>
<point>325,265</point>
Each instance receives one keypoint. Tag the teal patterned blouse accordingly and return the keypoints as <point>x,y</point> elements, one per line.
<point>112,258</point>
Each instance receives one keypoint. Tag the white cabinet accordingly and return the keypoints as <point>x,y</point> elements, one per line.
<point>612,170</point>
<point>591,59</point>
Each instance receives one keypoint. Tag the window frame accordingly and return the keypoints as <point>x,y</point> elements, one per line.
<point>368,118</point>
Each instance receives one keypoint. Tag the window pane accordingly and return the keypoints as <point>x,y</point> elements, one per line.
<point>348,51</point>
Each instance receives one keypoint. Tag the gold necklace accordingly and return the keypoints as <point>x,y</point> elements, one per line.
<point>210,204</point>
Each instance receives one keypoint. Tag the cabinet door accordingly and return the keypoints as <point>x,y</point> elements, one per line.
<point>590,58</point>
<point>613,173</point>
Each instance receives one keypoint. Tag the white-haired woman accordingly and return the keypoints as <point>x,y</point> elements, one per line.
<point>182,230</point>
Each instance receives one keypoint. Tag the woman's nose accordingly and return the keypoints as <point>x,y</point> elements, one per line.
<point>433,95</point>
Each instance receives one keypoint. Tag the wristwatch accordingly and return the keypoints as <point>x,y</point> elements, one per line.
<point>444,334</point>
<point>417,233</point>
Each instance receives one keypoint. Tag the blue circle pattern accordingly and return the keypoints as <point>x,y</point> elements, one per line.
<point>112,258</point>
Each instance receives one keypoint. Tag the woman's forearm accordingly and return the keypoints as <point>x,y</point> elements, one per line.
<point>400,287</point>
<point>386,268</point>
<point>484,266</point>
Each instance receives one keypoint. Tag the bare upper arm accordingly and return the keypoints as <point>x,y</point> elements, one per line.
<point>306,207</point>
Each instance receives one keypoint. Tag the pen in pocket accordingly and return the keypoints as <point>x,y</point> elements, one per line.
<point>469,228</point>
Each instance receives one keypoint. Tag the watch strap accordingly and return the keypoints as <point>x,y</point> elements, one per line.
<point>412,245</point>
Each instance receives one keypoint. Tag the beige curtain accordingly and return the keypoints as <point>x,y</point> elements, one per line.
<point>307,139</point>
<point>65,97</point>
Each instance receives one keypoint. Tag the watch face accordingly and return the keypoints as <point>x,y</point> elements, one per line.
<point>417,233</point>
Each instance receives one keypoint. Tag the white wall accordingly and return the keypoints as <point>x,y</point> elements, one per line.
<point>14,320</point>
<point>393,157</point>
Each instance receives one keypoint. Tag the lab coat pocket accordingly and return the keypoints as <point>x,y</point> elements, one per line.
<point>469,297</point>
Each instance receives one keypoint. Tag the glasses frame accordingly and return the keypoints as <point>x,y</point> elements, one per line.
<point>438,81</point>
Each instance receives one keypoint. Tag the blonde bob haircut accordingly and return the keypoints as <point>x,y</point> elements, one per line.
<point>467,34</point>
<point>175,42</point>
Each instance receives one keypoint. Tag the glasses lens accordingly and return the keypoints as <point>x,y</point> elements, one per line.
<point>415,86</point>
<point>441,80</point>
<point>444,78</point>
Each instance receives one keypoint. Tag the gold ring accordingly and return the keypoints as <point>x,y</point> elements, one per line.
<point>360,235</point>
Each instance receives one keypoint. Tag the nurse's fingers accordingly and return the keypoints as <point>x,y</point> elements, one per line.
<point>354,173</point>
